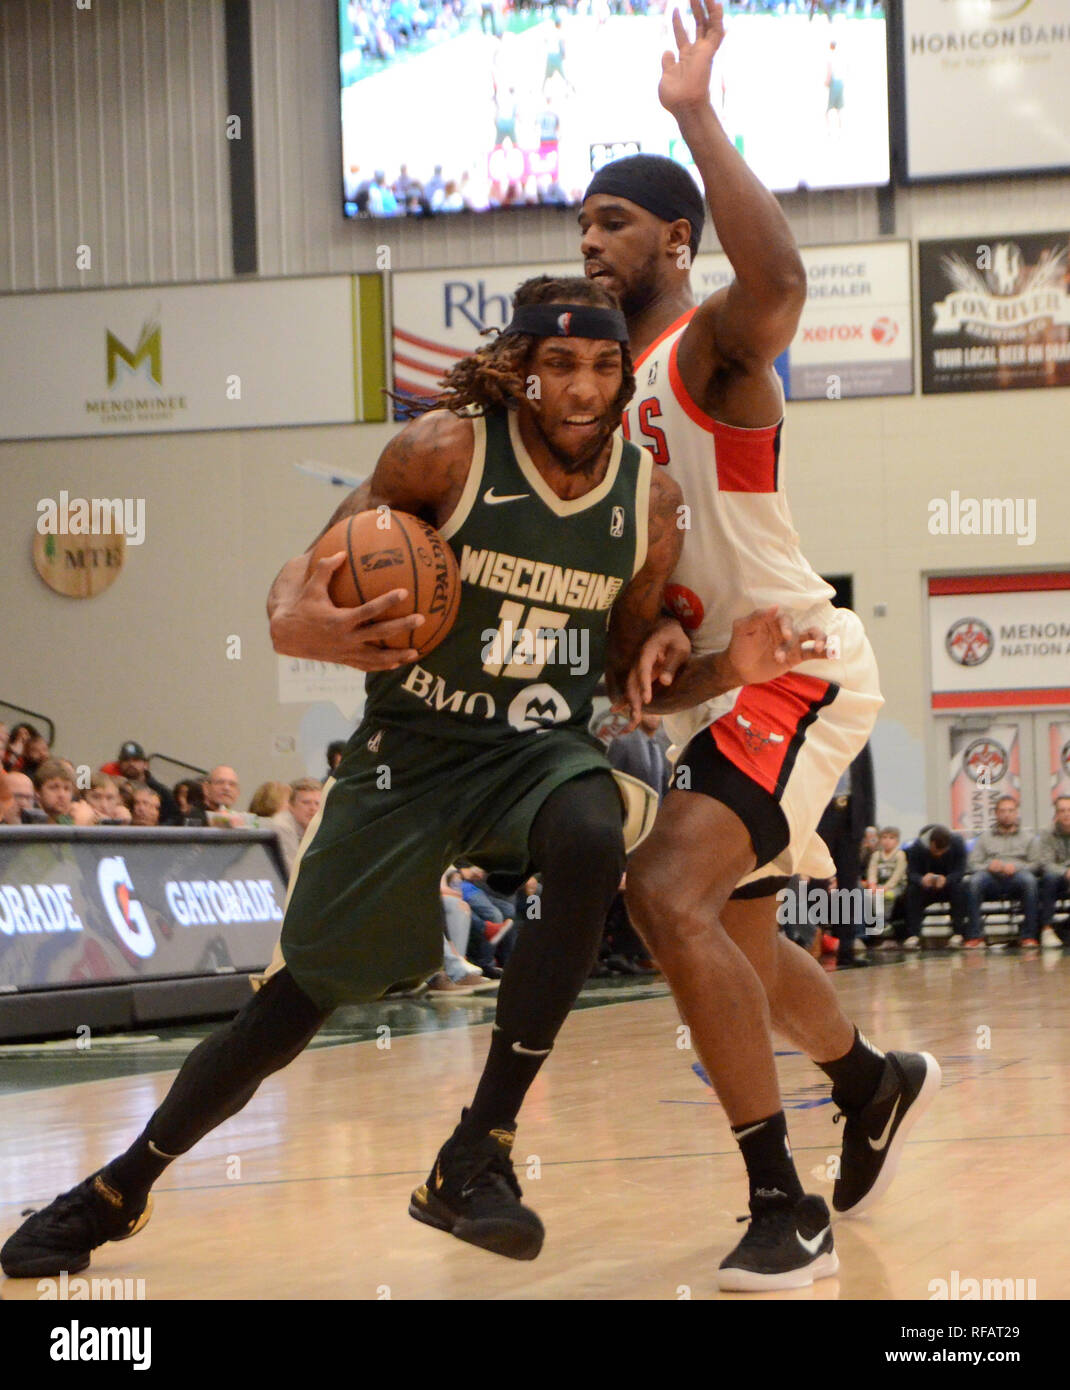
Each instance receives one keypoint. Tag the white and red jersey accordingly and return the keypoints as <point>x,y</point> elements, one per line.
<point>741,550</point>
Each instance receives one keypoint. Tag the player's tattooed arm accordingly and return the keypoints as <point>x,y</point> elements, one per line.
<point>636,612</point>
<point>422,470</point>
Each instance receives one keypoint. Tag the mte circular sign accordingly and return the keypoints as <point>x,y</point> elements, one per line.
<point>79,566</point>
<point>969,641</point>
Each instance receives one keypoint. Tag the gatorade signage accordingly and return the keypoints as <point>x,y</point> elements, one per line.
<point>100,907</point>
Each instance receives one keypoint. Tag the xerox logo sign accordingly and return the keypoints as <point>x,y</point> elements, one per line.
<point>125,913</point>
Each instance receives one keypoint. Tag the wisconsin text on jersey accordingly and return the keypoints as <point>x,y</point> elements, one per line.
<point>535,579</point>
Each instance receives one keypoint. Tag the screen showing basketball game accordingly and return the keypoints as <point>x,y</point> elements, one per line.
<point>468,105</point>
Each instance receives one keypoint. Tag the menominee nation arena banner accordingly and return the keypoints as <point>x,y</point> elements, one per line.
<point>855,337</point>
<point>241,355</point>
<point>84,907</point>
<point>1000,640</point>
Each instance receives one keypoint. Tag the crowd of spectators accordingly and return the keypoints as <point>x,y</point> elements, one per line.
<point>1007,873</point>
<point>38,788</point>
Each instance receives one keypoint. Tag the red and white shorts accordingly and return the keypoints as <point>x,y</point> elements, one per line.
<point>776,755</point>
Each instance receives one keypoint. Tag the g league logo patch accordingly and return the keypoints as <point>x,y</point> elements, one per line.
<point>616,525</point>
<point>969,641</point>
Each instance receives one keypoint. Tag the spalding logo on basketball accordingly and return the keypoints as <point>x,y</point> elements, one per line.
<point>984,757</point>
<point>885,331</point>
<point>686,605</point>
<point>537,707</point>
<point>969,641</point>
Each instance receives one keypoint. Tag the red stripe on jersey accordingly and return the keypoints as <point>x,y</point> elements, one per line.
<point>652,347</point>
<point>758,734</point>
<point>746,458</point>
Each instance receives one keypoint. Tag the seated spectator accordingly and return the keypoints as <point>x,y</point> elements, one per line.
<point>293,820</point>
<point>999,868</point>
<point>492,915</point>
<point>189,798</point>
<point>104,798</point>
<point>17,742</point>
<point>871,843</point>
<point>37,752</point>
<point>269,798</point>
<point>25,810</point>
<point>643,754</point>
<point>335,754</point>
<point>221,789</point>
<point>622,951</point>
<point>886,872</point>
<point>936,869</point>
<point>132,764</point>
<point>1049,857</point>
<point>146,806</point>
<point>55,792</point>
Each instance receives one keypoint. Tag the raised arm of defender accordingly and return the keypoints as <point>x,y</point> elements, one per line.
<point>725,355</point>
<point>422,470</point>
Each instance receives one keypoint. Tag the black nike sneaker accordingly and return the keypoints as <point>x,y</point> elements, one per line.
<point>873,1136</point>
<point>787,1246</point>
<point>65,1233</point>
<point>472,1192</point>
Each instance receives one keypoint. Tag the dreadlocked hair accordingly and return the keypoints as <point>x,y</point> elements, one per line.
<point>496,374</point>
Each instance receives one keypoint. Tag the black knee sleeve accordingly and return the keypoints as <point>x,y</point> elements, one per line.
<point>222,1073</point>
<point>577,848</point>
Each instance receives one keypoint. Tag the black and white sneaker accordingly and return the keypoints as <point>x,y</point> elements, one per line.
<point>787,1246</point>
<point>874,1135</point>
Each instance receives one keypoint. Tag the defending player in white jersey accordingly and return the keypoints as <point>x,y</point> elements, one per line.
<point>761,763</point>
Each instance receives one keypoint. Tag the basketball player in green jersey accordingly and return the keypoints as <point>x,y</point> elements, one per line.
<point>565,536</point>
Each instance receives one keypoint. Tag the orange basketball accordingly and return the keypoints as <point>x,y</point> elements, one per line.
<point>388,550</point>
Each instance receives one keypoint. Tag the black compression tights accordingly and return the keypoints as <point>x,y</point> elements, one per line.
<point>578,852</point>
<point>222,1073</point>
<point>576,847</point>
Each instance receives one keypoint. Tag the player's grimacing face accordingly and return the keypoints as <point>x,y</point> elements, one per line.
<point>623,248</point>
<point>579,380</point>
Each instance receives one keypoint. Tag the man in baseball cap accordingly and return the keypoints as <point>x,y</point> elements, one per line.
<point>132,764</point>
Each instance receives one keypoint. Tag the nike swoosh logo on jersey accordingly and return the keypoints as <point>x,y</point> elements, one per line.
<point>881,1142</point>
<point>812,1245</point>
<point>492,501</point>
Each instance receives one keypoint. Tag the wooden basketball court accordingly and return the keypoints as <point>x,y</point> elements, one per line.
<point>304,1194</point>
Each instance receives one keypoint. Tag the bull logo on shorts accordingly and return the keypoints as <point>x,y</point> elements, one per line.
<point>969,641</point>
<point>754,739</point>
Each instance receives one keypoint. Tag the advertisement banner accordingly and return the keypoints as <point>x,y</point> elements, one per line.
<point>995,312</point>
<point>1000,639</point>
<point>986,85</point>
<point>855,337</point>
<point>1059,757</point>
<point>102,907</point>
<point>169,358</point>
<point>984,766</point>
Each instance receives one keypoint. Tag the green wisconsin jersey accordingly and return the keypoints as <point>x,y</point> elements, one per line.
<point>539,576</point>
